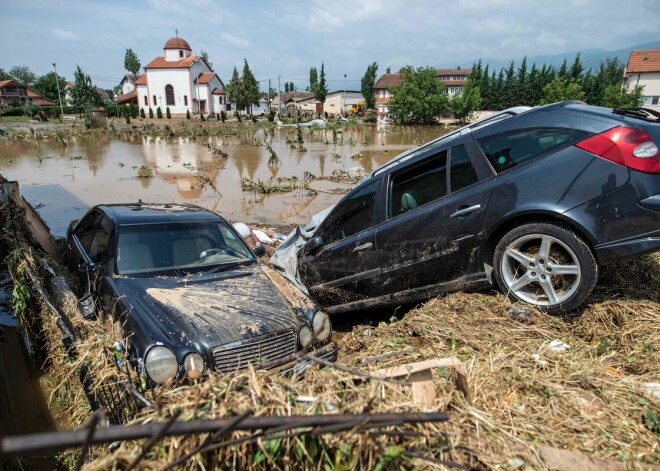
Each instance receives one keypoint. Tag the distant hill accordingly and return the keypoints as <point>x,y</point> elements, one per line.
<point>591,58</point>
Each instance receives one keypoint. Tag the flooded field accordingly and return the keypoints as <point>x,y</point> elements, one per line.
<point>63,179</point>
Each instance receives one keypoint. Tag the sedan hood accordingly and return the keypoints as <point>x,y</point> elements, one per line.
<point>205,311</point>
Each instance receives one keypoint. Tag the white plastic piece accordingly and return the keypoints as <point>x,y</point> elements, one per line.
<point>242,229</point>
<point>262,236</point>
<point>558,346</point>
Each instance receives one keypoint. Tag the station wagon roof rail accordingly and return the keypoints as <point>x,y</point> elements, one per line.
<point>504,114</point>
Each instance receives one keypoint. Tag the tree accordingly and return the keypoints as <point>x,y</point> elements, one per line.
<point>4,75</point>
<point>388,70</point>
<point>205,57</point>
<point>286,87</point>
<point>233,88</point>
<point>561,89</point>
<point>367,85</point>
<point>167,113</point>
<point>151,113</point>
<point>321,89</point>
<point>159,113</point>
<point>250,93</point>
<point>46,85</point>
<point>313,80</point>
<point>576,69</point>
<point>462,105</point>
<point>83,94</point>
<point>292,87</point>
<point>617,96</point>
<point>272,93</point>
<point>23,75</point>
<point>131,62</point>
<point>419,98</point>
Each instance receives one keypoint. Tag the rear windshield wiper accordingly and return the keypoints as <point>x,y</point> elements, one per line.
<point>637,112</point>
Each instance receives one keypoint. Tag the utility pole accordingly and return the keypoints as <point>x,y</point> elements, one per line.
<point>57,81</point>
<point>269,98</point>
<point>279,94</point>
<point>344,94</point>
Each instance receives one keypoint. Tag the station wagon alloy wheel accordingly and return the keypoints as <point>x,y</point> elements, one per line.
<point>550,268</point>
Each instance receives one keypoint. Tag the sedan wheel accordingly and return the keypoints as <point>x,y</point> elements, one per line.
<point>545,265</point>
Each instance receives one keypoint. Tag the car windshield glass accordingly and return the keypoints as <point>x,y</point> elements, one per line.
<point>180,247</point>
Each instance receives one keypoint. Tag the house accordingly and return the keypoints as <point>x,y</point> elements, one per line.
<point>643,69</point>
<point>337,102</point>
<point>181,82</point>
<point>12,93</point>
<point>454,80</point>
<point>290,100</point>
<point>127,83</point>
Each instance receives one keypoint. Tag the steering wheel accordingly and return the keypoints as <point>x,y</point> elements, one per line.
<point>207,253</point>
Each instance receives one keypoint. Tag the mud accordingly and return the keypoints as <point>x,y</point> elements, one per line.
<point>62,179</point>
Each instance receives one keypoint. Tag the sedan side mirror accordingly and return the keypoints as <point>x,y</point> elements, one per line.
<point>313,244</point>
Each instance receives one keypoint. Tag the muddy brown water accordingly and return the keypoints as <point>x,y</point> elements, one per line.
<point>63,179</point>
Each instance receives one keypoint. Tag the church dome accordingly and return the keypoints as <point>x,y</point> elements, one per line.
<point>177,43</point>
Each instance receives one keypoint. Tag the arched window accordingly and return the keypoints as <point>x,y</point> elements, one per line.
<point>146,101</point>
<point>169,95</point>
<point>153,101</point>
<point>185,100</point>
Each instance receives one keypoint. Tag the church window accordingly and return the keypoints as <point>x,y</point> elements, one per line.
<point>153,100</point>
<point>180,53</point>
<point>169,95</point>
<point>146,101</point>
<point>185,100</point>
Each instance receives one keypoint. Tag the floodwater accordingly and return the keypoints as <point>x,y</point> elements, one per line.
<point>63,179</point>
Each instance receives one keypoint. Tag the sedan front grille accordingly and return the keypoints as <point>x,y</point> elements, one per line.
<point>237,355</point>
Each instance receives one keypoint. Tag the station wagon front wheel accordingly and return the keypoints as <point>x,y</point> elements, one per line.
<point>546,265</point>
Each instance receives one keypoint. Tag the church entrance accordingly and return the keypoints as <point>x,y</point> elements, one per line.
<point>202,107</point>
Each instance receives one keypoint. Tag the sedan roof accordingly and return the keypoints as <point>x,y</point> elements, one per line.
<point>146,213</point>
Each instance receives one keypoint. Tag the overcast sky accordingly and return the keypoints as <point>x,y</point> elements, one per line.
<point>287,37</point>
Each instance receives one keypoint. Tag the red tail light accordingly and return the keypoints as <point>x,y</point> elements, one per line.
<point>632,147</point>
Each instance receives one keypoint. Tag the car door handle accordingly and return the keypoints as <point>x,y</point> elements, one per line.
<point>465,210</point>
<point>363,247</point>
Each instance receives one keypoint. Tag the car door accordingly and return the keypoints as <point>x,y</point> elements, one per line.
<point>435,207</point>
<point>341,267</point>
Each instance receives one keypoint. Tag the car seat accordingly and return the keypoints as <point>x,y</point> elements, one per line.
<point>408,201</point>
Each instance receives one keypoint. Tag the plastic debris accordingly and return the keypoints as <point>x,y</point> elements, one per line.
<point>242,229</point>
<point>262,236</point>
<point>537,358</point>
<point>558,346</point>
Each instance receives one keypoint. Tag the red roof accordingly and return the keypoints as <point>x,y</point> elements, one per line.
<point>393,80</point>
<point>141,80</point>
<point>205,78</point>
<point>7,82</point>
<point>161,63</point>
<point>388,81</point>
<point>127,97</point>
<point>177,43</point>
<point>647,60</point>
<point>217,91</point>
<point>41,102</point>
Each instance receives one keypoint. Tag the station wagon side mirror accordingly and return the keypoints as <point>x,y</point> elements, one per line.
<point>313,244</point>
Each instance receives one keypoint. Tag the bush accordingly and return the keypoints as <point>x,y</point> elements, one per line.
<point>13,112</point>
<point>223,116</point>
<point>217,116</point>
<point>32,110</point>
<point>132,109</point>
<point>202,117</point>
<point>187,114</point>
<point>254,118</point>
<point>151,113</point>
<point>167,113</point>
<point>142,113</point>
<point>238,116</point>
<point>159,113</point>
<point>271,116</point>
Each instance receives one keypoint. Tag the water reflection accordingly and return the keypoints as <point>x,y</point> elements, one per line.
<point>97,169</point>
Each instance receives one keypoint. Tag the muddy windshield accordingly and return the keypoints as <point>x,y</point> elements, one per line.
<point>178,247</point>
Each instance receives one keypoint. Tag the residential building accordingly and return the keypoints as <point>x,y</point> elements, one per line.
<point>127,83</point>
<point>454,80</point>
<point>643,69</point>
<point>290,100</point>
<point>337,102</point>
<point>12,93</point>
<point>181,82</point>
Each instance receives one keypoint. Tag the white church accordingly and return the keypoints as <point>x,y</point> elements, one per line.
<point>180,81</point>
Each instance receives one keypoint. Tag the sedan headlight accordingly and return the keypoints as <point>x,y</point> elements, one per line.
<point>322,326</point>
<point>194,365</point>
<point>305,336</point>
<point>161,364</point>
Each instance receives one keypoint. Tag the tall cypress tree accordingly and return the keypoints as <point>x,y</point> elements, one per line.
<point>250,93</point>
<point>367,85</point>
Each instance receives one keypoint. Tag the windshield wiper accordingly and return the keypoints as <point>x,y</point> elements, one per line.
<point>637,112</point>
<point>227,266</point>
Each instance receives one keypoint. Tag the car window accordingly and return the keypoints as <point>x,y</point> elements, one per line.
<point>99,246</point>
<point>354,215</point>
<point>418,185</point>
<point>86,228</point>
<point>461,171</point>
<point>195,246</point>
<point>505,151</point>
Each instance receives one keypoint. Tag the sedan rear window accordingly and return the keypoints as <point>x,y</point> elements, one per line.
<point>507,150</point>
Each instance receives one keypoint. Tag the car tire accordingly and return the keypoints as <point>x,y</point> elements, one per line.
<point>546,265</point>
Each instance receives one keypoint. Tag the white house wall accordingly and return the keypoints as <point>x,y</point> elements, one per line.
<point>158,79</point>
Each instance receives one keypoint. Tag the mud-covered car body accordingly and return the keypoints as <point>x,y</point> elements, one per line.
<point>531,199</point>
<point>189,294</point>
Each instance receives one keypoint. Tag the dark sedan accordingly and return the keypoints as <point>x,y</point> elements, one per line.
<point>534,200</point>
<point>188,292</point>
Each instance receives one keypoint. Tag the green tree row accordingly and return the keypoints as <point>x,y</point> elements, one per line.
<point>244,90</point>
